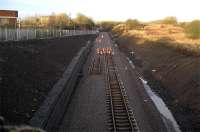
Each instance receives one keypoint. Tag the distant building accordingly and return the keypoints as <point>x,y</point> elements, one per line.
<point>8,18</point>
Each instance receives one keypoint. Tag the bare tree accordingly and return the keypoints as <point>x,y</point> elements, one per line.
<point>62,20</point>
<point>84,21</point>
<point>52,20</point>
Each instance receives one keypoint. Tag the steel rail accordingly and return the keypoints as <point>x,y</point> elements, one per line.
<point>122,115</point>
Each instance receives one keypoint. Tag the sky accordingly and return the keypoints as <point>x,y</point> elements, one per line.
<point>117,10</point>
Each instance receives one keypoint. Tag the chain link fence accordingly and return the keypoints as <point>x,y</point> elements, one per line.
<point>8,34</point>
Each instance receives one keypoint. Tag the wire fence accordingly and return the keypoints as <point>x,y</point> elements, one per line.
<point>8,34</point>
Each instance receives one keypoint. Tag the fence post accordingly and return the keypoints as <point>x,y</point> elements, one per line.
<point>52,33</point>
<point>6,34</point>
<point>17,34</point>
<point>47,34</point>
<point>35,34</point>
<point>41,34</point>
<point>27,34</point>
<point>1,36</point>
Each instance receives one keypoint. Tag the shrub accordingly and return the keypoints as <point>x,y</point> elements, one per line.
<point>132,23</point>
<point>182,24</point>
<point>119,28</point>
<point>170,20</point>
<point>108,25</point>
<point>193,29</point>
<point>84,21</point>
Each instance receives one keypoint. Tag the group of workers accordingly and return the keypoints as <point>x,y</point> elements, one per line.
<point>102,51</point>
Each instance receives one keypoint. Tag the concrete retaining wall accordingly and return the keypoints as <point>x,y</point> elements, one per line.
<point>53,108</point>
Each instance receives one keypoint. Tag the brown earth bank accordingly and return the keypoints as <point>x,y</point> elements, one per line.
<point>175,76</point>
<point>28,71</point>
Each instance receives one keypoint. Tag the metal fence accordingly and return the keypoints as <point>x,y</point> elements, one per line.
<point>7,34</point>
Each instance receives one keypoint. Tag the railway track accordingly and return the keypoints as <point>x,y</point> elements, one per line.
<point>121,117</point>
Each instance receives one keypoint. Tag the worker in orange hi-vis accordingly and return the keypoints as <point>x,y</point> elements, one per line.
<point>108,51</point>
<point>101,52</point>
<point>97,50</point>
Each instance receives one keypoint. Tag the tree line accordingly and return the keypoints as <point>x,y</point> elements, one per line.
<point>61,21</point>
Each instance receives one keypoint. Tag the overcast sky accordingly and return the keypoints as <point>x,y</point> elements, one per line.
<point>144,10</point>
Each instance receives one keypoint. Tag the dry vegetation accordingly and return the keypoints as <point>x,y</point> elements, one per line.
<point>61,20</point>
<point>171,35</point>
<point>167,53</point>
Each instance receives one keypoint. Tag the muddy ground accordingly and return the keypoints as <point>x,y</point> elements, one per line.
<point>173,75</point>
<point>28,71</point>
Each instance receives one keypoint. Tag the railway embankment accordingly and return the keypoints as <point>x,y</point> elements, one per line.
<point>30,69</point>
<point>173,75</point>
